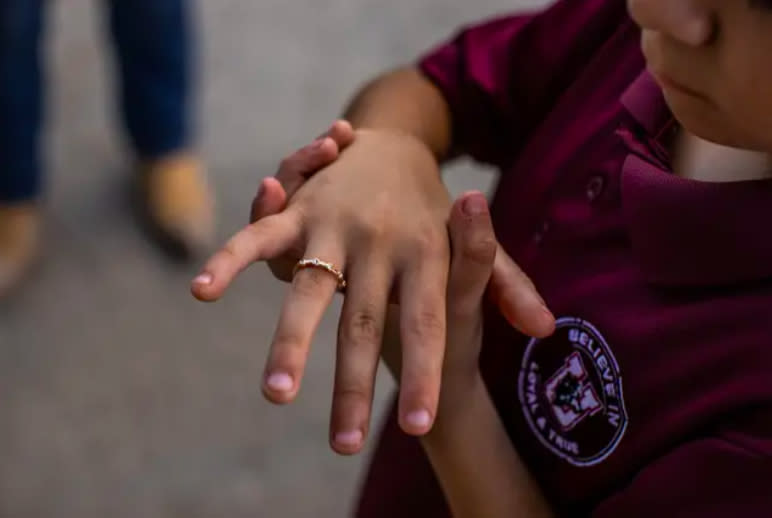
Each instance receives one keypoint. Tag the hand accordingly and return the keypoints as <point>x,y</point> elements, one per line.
<point>469,436</point>
<point>509,288</point>
<point>353,219</point>
<point>474,252</point>
<point>379,212</point>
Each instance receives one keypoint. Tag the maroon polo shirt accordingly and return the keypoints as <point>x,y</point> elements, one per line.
<point>654,396</point>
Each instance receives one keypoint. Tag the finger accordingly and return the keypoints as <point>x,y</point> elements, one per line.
<point>265,239</point>
<point>282,267</point>
<point>342,133</point>
<point>272,196</point>
<point>294,170</point>
<point>360,335</point>
<point>271,199</point>
<point>473,245</point>
<point>423,290</point>
<point>308,297</point>
<point>306,162</point>
<point>516,297</point>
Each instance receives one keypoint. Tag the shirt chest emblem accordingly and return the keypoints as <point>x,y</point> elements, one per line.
<point>570,390</point>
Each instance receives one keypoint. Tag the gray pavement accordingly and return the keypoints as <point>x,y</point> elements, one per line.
<point>119,395</point>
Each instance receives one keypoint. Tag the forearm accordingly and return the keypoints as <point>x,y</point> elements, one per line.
<point>479,470</point>
<point>404,100</point>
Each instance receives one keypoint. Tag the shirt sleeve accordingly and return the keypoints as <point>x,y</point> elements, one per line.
<point>707,477</point>
<point>501,77</point>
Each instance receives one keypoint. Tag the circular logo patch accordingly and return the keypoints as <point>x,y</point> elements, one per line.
<point>570,389</point>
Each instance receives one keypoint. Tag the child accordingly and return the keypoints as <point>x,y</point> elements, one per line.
<point>634,152</point>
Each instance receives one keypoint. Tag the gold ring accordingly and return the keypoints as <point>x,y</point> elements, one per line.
<point>327,267</point>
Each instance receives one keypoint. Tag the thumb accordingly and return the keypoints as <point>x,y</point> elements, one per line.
<point>473,245</point>
<point>515,295</point>
<point>271,199</point>
<point>306,162</point>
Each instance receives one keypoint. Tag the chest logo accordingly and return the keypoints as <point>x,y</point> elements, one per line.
<point>570,390</point>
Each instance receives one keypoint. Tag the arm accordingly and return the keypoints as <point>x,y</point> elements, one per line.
<point>476,463</point>
<point>404,101</point>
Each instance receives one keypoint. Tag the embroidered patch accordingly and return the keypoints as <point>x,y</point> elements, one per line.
<point>570,390</point>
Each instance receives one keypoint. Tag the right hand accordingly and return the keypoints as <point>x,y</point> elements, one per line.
<point>379,211</point>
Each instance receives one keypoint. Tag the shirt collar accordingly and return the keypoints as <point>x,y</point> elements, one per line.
<point>687,232</point>
<point>643,99</point>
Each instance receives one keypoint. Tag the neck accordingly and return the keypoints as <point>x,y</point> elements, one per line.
<point>698,159</point>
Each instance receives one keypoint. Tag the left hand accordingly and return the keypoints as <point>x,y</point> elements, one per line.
<point>474,250</point>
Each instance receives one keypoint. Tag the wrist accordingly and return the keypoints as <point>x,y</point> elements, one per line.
<point>395,135</point>
<point>411,139</point>
<point>404,100</point>
<point>459,392</point>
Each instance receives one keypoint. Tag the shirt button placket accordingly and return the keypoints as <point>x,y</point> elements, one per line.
<point>538,237</point>
<point>595,186</point>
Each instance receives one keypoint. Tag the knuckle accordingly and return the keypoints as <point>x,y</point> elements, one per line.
<point>421,391</point>
<point>372,229</point>
<point>287,340</point>
<point>353,392</point>
<point>376,224</point>
<point>462,308</point>
<point>230,252</point>
<point>288,351</point>
<point>430,242</point>
<point>252,233</point>
<point>239,246</point>
<point>362,328</point>
<point>427,325</point>
<point>480,251</point>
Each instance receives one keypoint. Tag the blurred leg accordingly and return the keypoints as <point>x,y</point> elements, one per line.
<point>21,103</point>
<point>154,47</point>
<point>153,42</point>
<point>21,107</point>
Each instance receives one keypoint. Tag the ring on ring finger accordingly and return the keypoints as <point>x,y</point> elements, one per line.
<point>315,262</point>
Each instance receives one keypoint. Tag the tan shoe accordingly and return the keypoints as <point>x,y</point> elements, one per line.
<point>178,204</point>
<point>19,243</point>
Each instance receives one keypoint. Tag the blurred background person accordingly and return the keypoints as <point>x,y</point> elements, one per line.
<point>153,47</point>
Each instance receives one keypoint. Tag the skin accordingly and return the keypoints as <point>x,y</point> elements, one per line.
<point>387,254</point>
<point>716,50</point>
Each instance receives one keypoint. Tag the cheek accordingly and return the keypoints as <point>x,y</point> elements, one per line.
<point>650,47</point>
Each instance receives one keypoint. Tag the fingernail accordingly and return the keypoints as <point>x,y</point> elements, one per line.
<point>475,204</point>
<point>418,419</point>
<point>260,191</point>
<point>316,144</point>
<point>350,438</point>
<point>204,279</point>
<point>279,382</point>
